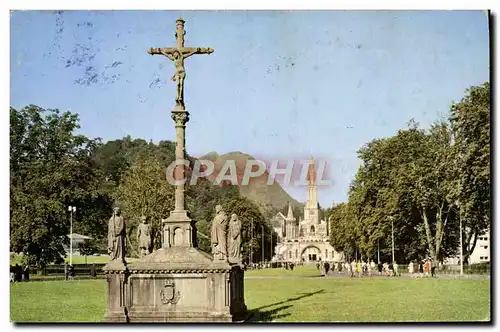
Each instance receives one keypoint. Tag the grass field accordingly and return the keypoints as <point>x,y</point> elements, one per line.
<point>284,300</point>
<point>301,271</point>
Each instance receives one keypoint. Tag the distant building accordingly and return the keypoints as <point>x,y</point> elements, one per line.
<point>481,253</point>
<point>304,240</point>
<point>77,239</point>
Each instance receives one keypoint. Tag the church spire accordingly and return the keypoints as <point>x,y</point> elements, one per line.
<point>290,212</point>
<point>311,211</point>
<point>311,173</point>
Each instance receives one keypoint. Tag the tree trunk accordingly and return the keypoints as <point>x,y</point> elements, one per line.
<point>428,233</point>
<point>473,233</point>
<point>440,226</point>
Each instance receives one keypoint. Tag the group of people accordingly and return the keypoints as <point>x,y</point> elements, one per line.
<point>19,273</point>
<point>423,269</point>
<point>359,268</point>
<point>69,272</point>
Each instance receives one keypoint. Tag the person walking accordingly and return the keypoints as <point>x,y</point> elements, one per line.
<point>421,269</point>
<point>427,268</point>
<point>71,272</point>
<point>352,268</point>
<point>326,266</point>
<point>12,274</point>
<point>433,268</point>
<point>380,266</point>
<point>396,269</point>
<point>410,269</point>
<point>26,273</point>
<point>359,268</point>
<point>93,271</point>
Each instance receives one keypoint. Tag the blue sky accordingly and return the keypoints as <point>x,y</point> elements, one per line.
<point>279,84</point>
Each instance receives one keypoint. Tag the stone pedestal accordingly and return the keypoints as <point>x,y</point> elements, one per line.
<point>117,277</point>
<point>178,284</point>
<point>238,307</point>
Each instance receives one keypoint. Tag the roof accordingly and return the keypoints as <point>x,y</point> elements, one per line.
<point>76,236</point>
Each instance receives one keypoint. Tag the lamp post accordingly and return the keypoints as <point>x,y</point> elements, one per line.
<point>262,227</point>
<point>461,244</point>
<point>251,243</point>
<point>71,209</point>
<point>378,251</point>
<point>271,249</point>
<point>392,224</point>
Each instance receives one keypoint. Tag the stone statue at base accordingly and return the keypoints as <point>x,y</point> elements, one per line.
<point>234,240</point>
<point>218,240</point>
<point>116,236</point>
<point>144,237</point>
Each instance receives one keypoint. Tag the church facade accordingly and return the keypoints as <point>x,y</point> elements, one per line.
<point>304,239</point>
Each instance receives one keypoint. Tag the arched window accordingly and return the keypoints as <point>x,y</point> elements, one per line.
<point>312,230</point>
<point>290,254</point>
<point>296,253</point>
<point>301,232</point>
<point>326,253</point>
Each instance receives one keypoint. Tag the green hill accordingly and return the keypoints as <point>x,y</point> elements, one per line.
<point>269,198</point>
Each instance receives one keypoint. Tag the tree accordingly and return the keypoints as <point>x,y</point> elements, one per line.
<point>50,168</point>
<point>406,180</point>
<point>470,123</point>
<point>144,190</point>
<point>432,189</point>
<point>87,248</point>
<point>251,217</point>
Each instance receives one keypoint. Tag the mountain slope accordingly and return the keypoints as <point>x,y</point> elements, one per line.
<point>269,198</point>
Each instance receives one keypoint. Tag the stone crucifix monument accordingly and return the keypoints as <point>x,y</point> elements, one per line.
<point>179,282</point>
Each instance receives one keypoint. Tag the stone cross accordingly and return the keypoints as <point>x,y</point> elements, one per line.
<point>177,55</point>
<point>178,228</point>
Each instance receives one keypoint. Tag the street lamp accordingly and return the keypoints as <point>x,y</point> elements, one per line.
<point>378,251</point>
<point>262,227</point>
<point>392,224</point>
<point>461,244</point>
<point>271,251</point>
<point>71,209</point>
<point>251,244</point>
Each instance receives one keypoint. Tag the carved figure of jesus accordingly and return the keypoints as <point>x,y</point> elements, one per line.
<point>178,54</point>
<point>180,72</point>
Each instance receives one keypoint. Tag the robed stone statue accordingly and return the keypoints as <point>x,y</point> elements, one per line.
<point>144,237</point>
<point>116,236</point>
<point>234,240</point>
<point>218,240</point>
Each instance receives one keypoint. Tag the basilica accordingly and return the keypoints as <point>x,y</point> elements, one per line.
<point>307,239</point>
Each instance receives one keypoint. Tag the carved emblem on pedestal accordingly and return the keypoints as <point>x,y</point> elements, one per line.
<point>168,294</point>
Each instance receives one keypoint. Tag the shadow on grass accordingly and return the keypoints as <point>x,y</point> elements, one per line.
<point>260,315</point>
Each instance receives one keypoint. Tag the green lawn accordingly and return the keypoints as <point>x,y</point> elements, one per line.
<point>286,299</point>
<point>368,300</point>
<point>90,259</point>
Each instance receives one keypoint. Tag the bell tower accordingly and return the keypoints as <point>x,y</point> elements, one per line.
<point>311,211</point>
